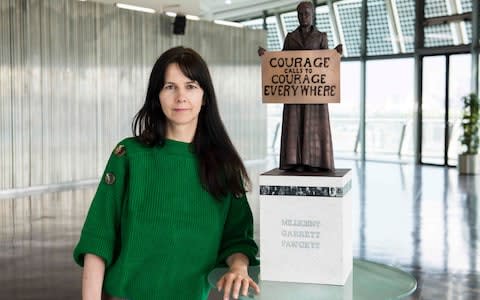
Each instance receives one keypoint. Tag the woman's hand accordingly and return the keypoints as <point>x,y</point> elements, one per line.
<point>233,282</point>
<point>236,280</point>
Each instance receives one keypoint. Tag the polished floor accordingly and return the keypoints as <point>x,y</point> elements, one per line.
<point>424,220</point>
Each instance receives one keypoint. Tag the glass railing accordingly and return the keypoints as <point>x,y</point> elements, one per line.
<point>386,138</point>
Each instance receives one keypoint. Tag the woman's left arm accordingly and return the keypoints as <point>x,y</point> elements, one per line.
<point>236,280</point>
<point>237,250</point>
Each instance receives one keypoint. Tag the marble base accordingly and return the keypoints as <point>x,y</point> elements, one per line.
<point>306,226</point>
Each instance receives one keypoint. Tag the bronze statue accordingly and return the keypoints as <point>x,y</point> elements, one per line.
<point>306,142</point>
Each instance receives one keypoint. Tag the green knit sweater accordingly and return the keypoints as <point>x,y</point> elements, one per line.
<point>157,229</point>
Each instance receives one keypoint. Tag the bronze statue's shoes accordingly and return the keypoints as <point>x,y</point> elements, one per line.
<point>298,168</point>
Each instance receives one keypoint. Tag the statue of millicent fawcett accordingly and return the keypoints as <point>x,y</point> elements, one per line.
<point>306,142</point>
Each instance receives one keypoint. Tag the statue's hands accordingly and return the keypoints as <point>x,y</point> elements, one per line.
<point>339,49</point>
<point>261,51</point>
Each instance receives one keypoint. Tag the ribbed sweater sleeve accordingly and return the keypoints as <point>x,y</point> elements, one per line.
<point>238,232</point>
<point>101,228</point>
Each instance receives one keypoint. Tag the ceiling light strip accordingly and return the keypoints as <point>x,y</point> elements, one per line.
<point>190,17</point>
<point>228,23</point>
<point>134,7</point>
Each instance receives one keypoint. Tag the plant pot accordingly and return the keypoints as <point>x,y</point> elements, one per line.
<point>468,164</point>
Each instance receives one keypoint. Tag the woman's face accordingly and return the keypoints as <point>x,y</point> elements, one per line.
<point>181,99</point>
<point>305,16</point>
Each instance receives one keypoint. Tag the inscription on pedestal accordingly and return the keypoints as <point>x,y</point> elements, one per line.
<point>300,234</point>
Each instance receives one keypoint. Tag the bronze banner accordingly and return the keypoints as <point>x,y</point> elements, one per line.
<point>301,77</point>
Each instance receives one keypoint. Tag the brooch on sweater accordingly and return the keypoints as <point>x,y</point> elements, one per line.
<point>109,178</point>
<point>119,150</point>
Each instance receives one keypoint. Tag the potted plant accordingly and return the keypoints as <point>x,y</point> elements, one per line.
<point>469,160</point>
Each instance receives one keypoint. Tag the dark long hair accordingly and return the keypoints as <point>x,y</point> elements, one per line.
<point>221,170</point>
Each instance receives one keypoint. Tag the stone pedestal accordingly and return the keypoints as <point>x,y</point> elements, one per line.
<point>306,226</point>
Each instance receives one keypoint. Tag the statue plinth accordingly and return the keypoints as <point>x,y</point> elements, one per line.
<point>306,226</point>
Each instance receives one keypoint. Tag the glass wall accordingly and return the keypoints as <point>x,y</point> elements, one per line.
<point>433,109</point>
<point>389,109</point>
<point>345,116</point>
<point>459,82</point>
<point>434,99</point>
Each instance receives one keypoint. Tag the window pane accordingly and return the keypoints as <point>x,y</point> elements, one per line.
<point>273,35</point>
<point>379,38</point>
<point>406,14</point>
<point>466,5</point>
<point>433,109</point>
<point>324,24</point>
<point>435,8</point>
<point>460,78</point>
<point>274,127</point>
<point>345,116</point>
<point>467,28</point>
<point>254,24</point>
<point>438,35</point>
<point>274,43</point>
<point>290,21</point>
<point>389,109</point>
<point>348,13</point>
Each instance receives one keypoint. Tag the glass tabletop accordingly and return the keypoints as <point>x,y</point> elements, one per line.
<point>368,280</point>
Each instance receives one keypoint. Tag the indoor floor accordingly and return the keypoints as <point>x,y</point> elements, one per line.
<point>422,219</point>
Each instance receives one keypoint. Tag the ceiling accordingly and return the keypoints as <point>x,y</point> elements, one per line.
<point>211,9</point>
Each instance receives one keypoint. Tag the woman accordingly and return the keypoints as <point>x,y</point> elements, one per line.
<point>171,205</point>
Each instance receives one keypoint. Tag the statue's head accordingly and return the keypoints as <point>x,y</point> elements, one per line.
<point>305,11</point>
